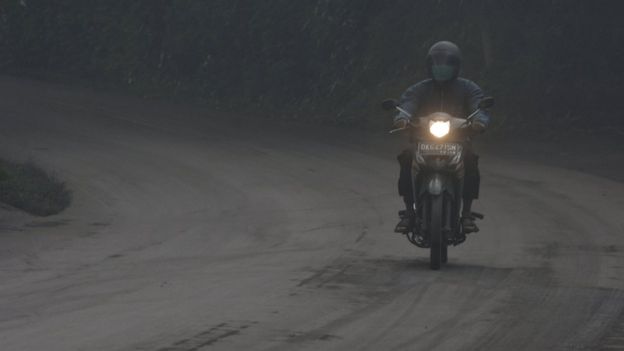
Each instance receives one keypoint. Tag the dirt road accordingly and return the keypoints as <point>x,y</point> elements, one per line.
<point>187,233</point>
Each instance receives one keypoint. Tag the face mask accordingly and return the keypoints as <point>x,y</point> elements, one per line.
<point>442,73</point>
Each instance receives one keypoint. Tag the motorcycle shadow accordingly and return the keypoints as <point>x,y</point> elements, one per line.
<point>454,266</point>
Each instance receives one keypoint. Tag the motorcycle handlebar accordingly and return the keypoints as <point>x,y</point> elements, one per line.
<point>409,124</point>
<point>465,125</point>
<point>464,131</point>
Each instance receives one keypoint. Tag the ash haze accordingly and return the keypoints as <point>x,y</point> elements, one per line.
<point>218,175</point>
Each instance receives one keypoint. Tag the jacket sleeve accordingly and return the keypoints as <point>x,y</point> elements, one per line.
<point>474,96</point>
<point>409,101</point>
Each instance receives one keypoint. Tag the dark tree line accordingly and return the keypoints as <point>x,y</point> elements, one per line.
<point>546,61</point>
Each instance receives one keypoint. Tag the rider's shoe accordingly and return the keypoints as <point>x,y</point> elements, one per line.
<point>468,223</point>
<point>403,227</point>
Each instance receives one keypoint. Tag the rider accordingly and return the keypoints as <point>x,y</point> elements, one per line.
<point>443,92</point>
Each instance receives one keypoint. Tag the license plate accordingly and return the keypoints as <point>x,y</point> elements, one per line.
<point>439,149</point>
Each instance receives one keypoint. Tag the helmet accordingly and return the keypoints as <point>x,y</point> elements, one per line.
<point>444,61</point>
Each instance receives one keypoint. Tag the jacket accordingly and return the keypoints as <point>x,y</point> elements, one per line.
<point>459,98</point>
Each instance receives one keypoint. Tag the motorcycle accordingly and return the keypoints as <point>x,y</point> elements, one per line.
<point>437,179</point>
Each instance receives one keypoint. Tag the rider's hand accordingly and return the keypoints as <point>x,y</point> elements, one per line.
<point>401,123</point>
<point>478,126</point>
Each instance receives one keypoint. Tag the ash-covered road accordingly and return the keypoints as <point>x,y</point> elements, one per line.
<point>187,233</point>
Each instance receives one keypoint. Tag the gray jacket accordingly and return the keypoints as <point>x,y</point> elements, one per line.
<point>459,98</point>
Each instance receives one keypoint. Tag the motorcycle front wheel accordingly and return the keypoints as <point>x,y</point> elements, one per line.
<point>435,231</point>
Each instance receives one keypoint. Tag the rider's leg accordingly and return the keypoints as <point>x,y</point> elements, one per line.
<point>467,207</point>
<point>472,180</point>
<point>405,190</point>
<point>409,205</point>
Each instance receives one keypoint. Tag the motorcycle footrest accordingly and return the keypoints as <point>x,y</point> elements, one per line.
<point>477,215</point>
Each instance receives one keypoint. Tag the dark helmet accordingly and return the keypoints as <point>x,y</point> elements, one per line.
<point>444,61</point>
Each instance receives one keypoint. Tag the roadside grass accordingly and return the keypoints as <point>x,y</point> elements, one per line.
<point>30,188</point>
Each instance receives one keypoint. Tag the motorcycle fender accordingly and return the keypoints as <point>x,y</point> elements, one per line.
<point>435,185</point>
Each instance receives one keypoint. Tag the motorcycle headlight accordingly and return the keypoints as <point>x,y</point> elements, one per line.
<point>439,128</point>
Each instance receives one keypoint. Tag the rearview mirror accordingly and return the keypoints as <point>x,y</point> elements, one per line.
<point>486,102</point>
<point>389,104</point>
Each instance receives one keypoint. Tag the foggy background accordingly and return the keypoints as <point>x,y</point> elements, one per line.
<point>546,62</point>
<point>218,175</point>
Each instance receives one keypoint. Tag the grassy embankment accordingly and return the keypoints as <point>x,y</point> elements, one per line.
<point>27,187</point>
